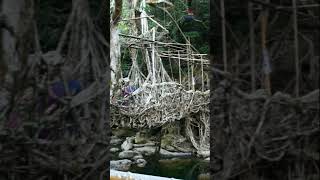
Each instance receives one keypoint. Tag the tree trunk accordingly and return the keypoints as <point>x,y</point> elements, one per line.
<point>114,44</point>
<point>117,12</point>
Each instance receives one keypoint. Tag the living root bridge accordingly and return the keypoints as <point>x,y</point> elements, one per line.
<point>162,103</point>
<point>155,105</point>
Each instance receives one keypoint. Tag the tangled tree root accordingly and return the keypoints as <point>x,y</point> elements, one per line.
<point>70,142</point>
<point>255,132</point>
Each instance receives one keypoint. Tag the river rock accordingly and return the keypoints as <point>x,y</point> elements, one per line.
<point>203,154</point>
<point>169,148</point>
<point>127,144</point>
<point>166,153</point>
<point>146,144</point>
<point>114,150</point>
<point>115,140</point>
<point>121,165</point>
<point>128,154</point>
<point>147,150</point>
<point>204,176</point>
<point>141,162</point>
<point>137,157</point>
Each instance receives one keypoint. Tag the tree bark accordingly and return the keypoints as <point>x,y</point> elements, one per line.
<point>114,44</point>
<point>117,12</point>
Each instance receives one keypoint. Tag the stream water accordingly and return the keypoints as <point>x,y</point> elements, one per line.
<point>186,168</point>
<point>181,168</point>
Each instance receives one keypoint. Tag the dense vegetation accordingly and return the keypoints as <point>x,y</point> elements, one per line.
<point>196,31</point>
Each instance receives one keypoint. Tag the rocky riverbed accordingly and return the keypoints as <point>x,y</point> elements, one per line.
<point>131,150</point>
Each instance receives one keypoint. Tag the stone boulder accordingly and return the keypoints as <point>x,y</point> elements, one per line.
<point>141,162</point>
<point>166,153</point>
<point>146,144</point>
<point>121,165</point>
<point>113,150</point>
<point>203,154</point>
<point>127,144</point>
<point>115,140</point>
<point>147,150</point>
<point>128,154</point>
<point>137,157</point>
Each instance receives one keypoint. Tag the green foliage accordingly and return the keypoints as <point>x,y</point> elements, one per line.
<point>125,62</point>
<point>197,31</point>
<point>193,35</point>
<point>124,26</point>
<point>204,49</point>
